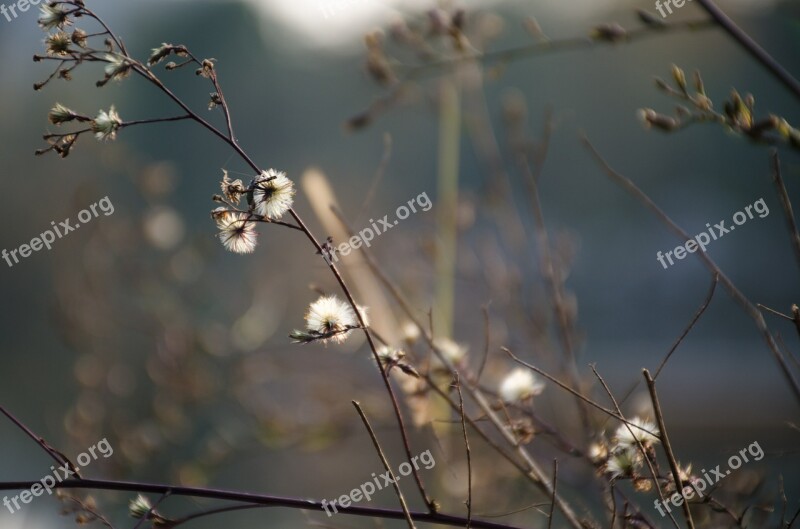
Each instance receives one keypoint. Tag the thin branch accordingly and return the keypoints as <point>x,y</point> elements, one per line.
<point>566,387</point>
<point>521,509</point>
<point>794,518</point>
<point>209,512</point>
<point>487,336</point>
<point>57,456</point>
<point>533,472</point>
<point>796,317</point>
<point>154,120</point>
<point>780,187</point>
<point>673,464</point>
<point>691,325</point>
<point>419,71</point>
<point>773,311</point>
<point>385,462</point>
<point>751,46</point>
<point>150,76</point>
<point>639,445</point>
<point>379,172</point>
<point>469,454</point>
<point>613,505</point>
<point>260,499</point>
<point>734,292</point>
<point>553,500</point>
<point>680,339</point>
<point>547,267</point>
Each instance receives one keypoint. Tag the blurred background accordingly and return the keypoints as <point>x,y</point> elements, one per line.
<point>142,329</point>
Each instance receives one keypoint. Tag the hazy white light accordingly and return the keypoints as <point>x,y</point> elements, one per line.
<point>341,22</point>
<point>334,23</point>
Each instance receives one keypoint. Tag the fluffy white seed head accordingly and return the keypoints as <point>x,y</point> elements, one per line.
<point>330,316</point>
<point>629,434</point>
<point>237,233</point>
<point>520,384</point>
<point>273,194</point>
<point>624,462</point>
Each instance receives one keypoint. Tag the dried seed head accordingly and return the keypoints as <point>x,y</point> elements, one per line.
<point>58,43</point>
<point>331,319</point>
<point>271,194</point>
<point>60,114</point>
<point>52,17</point>
<point>106,124</point>
<point>237,232</point>
<point>79,38</point>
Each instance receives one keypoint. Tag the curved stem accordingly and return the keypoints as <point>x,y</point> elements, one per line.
<point>258,499</point>
<point>140,69</point>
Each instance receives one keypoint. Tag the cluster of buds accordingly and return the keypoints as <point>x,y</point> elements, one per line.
<point>738,113</point>
<point>70,49</point>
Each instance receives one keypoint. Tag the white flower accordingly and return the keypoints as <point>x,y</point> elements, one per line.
<point>520,384</point>
<point>331,318</point>
<point>106,124</point>
<point>53,17</point>
<point>623,462</point>
<point>118,66</point>
<point>237,232</point>
<point>629,434</point>
<point>273,194</point>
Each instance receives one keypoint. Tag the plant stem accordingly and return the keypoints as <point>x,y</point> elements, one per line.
<point>752,47</point>
<point>260,499</point>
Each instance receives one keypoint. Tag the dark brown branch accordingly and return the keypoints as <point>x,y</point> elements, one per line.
<point>386,466</point>
<point>691,325</point>
<point>780,187</point>
<point>673,464</point>
<point>468,451</point>
<point>553,499</point>
<point>734,292</point>
<point>639,445</point>
<point>57,456</point>
<point>260,499</point>
<point>751,46</point>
